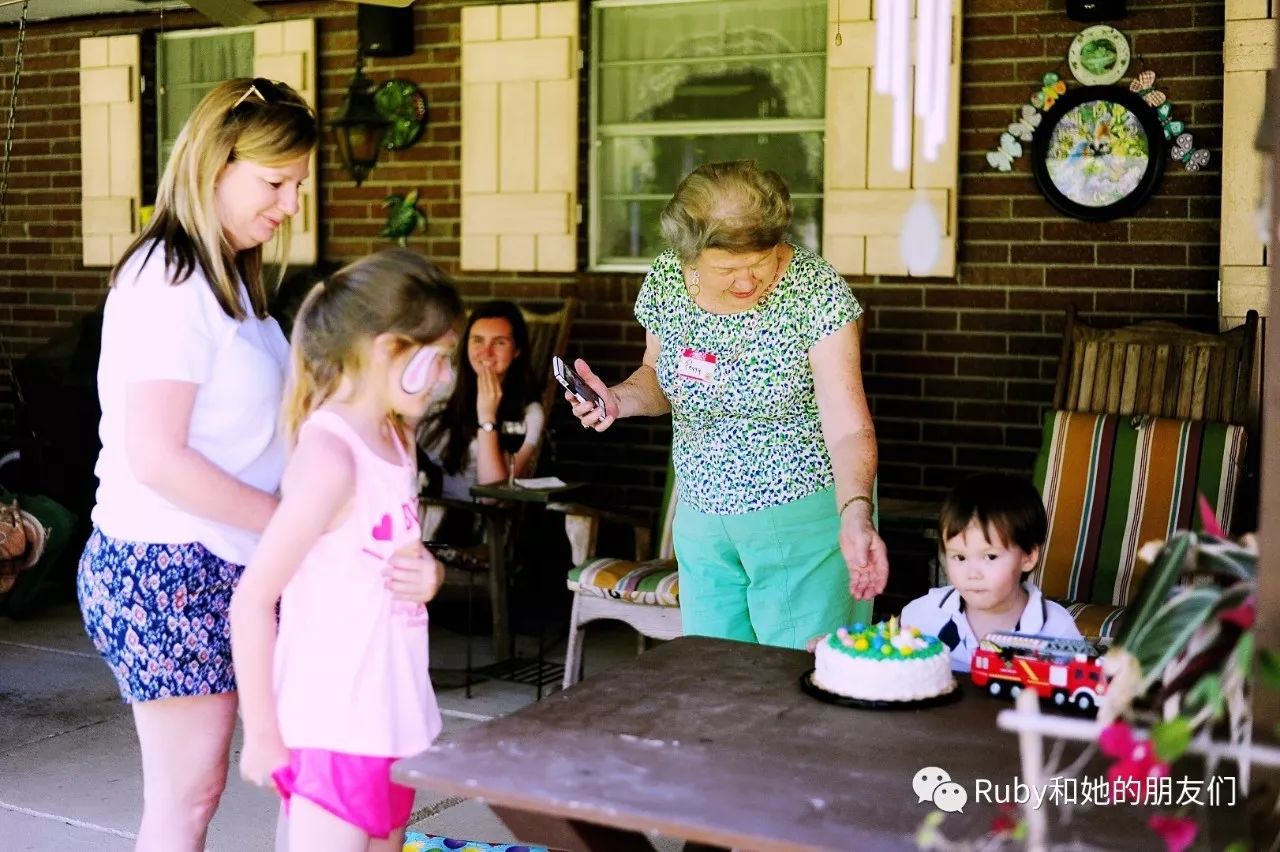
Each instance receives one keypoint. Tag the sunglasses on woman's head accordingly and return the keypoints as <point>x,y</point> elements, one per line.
<point>261,88</point>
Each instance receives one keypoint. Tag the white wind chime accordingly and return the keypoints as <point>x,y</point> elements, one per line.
<point>921,241</point>
<point>892,74</point>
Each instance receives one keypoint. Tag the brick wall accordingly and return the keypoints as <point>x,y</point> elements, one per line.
<point>958,371</point>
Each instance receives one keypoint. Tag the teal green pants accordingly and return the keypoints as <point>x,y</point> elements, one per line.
<point>773,576</point>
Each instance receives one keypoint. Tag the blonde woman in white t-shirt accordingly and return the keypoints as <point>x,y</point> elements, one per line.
<point>190,381</point>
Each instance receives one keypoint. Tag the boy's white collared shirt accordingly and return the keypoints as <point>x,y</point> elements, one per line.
<point>940,612</point>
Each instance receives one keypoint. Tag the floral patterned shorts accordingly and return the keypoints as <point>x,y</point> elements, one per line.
<point>158,614</point>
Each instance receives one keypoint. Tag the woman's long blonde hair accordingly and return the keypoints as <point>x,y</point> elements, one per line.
<point>273,127</point>
<point>395,291</point>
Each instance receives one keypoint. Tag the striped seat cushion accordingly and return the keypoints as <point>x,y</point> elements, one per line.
<point>1096,622</point>
<point>1112,483</point>
<point>656,582</point>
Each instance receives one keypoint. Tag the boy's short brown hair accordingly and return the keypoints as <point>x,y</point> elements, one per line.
<point>1001,501</point>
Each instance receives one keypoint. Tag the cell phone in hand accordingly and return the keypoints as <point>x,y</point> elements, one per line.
<point>574,383</point>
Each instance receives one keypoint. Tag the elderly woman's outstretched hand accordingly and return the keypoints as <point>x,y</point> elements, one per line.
<point>587,413</point>
<point>864,553</point>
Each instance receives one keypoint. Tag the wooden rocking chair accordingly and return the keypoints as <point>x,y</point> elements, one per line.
<point>1146,418</point>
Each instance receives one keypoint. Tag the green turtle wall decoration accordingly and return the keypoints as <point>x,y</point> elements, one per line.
<point>403,217</point>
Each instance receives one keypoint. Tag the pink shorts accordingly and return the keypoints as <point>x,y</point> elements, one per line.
<point>356,789</point>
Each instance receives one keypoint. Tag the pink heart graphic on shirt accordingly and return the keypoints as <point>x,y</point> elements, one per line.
<point>382,532</point>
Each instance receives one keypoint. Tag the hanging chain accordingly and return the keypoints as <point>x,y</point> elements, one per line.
<point>13,111</point>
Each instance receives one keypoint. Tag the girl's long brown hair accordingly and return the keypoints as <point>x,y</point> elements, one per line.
<point>395,291</point>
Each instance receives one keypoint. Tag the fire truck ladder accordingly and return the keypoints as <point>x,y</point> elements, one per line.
<point>1046,646</point>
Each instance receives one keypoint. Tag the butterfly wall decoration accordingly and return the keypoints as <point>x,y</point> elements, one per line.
<point>1172,127</point>
<point>1051,86</point>
<point>1145,86</point>
<point>1193,159</point>
<point>1184,151</point>
<point>1023,127</point>
<point>1010,149</point>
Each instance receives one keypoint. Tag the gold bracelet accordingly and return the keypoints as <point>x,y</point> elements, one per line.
<point>852,500</point>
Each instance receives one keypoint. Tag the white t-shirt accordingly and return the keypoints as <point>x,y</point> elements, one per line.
<point>153,330</point>
<point>457,486</point>
<point>940,612</point>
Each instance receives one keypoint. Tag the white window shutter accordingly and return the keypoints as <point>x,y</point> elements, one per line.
<point>1248,54</point>
<point>110,155</point>
<point>286,51</point>
<point>520,136</point>
<point>864,198</point>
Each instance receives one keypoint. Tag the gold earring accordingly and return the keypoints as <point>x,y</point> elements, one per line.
<point>693,287</point>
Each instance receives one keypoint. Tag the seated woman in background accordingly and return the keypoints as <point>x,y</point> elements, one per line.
<point>495,388</point>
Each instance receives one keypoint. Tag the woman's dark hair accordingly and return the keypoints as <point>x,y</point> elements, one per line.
<point>456,423</point>
<point>1010,505</point>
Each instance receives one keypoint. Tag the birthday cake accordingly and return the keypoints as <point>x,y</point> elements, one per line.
<point>883,663</point>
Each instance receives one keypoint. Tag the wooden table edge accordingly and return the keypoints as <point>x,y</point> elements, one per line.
<point>534,812</point>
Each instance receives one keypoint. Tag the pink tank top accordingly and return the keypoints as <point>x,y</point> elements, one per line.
<point>351,661</point>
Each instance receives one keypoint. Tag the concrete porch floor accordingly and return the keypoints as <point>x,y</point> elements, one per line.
<point>69,765</point>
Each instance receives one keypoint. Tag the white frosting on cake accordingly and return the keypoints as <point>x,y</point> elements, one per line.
<point>861,671</point>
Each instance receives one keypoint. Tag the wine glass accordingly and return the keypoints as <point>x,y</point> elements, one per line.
<point>511,435</point>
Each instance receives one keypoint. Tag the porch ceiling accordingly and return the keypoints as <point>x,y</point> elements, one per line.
<point>47,10</point>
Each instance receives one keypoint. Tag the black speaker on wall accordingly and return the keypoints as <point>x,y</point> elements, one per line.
<point>384,30</point>
<point>1088,11</point>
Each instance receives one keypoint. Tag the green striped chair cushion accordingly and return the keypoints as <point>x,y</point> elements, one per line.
<point>1096,622</point>
<point>655,583</point>
<point>1112,483</point>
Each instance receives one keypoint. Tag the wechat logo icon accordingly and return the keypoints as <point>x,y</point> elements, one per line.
<point>934,784</point>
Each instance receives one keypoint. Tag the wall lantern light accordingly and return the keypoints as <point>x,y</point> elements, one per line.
<point>360,128</point>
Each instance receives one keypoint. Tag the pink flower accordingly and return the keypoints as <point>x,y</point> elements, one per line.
<point>1208,519</point>
<point>1135,759</point>
<point>1178,833</point>
<point>1134,770</point>
<point>1242,616</point>
<point>1116,739</point>
<point>1007,820</point>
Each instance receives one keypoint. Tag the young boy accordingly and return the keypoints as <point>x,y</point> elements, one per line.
<point>992,528</point>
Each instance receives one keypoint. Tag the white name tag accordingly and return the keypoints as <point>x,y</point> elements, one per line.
<point>696,365</point>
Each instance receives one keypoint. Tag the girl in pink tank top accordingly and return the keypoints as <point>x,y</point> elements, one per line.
<point>340,690</point>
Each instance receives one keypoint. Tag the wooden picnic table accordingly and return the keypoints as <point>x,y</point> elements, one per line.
<point>713,741</point>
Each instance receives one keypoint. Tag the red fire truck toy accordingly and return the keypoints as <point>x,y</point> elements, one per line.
<point>1067,671</point>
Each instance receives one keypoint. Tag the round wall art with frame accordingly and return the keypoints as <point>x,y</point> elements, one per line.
<point>1098,55</point>
<point>1099,153</point>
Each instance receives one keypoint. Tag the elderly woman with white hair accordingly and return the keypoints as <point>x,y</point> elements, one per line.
<point>752,346</point>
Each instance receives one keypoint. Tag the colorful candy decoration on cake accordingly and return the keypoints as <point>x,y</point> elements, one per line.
<point>887,640</point>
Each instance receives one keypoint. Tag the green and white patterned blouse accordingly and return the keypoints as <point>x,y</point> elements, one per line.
<point>751,437</point>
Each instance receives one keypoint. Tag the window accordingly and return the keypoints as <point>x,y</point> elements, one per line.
<point>680,83</point>
<point>188,64</point>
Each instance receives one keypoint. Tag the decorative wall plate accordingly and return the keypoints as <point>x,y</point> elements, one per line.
<point>400,102</point>
<point>1099,153</point>
<point>1099,55</point>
